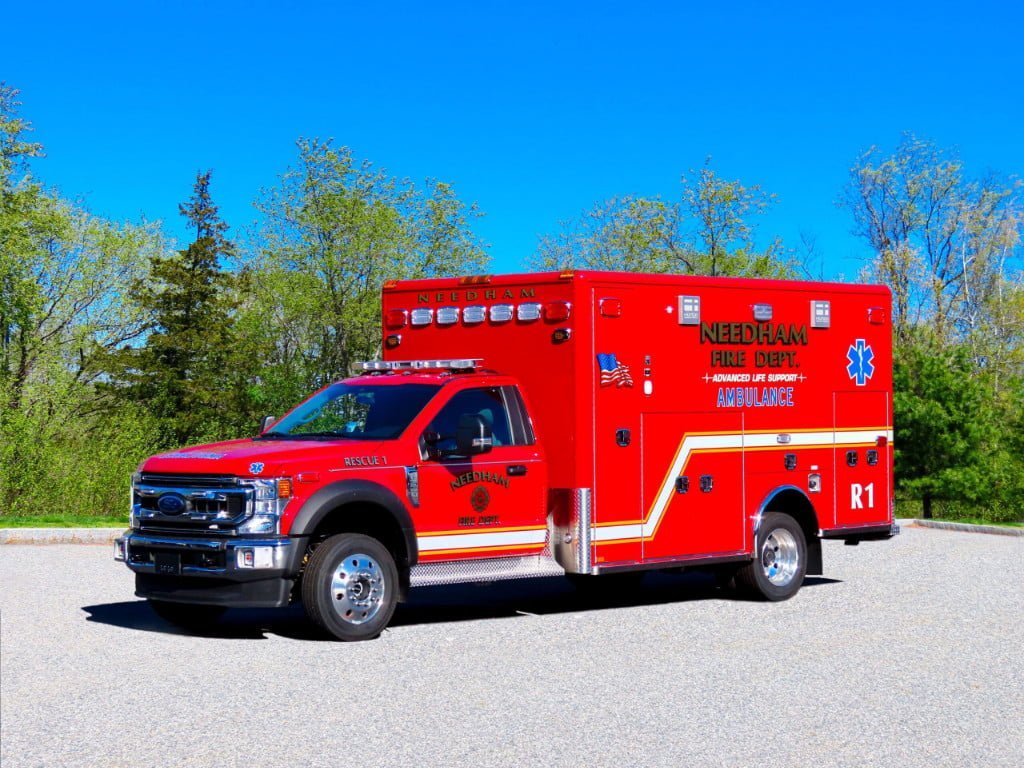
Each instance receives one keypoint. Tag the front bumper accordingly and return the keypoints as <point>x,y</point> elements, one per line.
<point>238,572</point>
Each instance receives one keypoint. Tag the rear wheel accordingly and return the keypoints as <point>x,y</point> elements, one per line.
<point>780,560</point>
<point>187,615</point>
<point>350,587</point>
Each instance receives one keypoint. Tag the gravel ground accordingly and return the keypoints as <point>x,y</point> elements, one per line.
<point>906,653</point>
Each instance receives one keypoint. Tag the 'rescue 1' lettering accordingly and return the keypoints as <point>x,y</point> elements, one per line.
<point>365,461</point>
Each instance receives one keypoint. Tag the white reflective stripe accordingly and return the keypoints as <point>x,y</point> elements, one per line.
<point>690,444</point>
<point>474,540</point>
<point>615,532</point>
<point>693,443</point>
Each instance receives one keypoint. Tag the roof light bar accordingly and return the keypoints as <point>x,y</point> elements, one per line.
<point>474,314</point>
<point>447,315</point>
<point>422,316</point>
<point>501,313</point>
<point>528,312</point>
<point>451,364</point>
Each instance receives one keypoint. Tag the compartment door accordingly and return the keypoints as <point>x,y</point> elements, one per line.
<point>862,467</point>
<point>692,484</point>
<point>617,381</point>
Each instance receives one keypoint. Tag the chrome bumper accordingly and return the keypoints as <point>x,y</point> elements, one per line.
<point>239,559</point>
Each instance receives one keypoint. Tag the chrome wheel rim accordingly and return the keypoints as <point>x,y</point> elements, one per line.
<point>358,588</point>
<point>780,557</point>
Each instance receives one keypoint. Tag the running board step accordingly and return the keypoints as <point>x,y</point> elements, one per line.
<point>491,569</point>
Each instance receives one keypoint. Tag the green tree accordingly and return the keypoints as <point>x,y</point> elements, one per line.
<point>950,249</point>
<point>185,373</point>
<point>945,428</point>
<point>948,246</point>
<point>63,277</point>
<point>708,231</point>
<point>335,229</point>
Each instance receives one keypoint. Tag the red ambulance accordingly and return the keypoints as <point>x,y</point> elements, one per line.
<point>579,423</point>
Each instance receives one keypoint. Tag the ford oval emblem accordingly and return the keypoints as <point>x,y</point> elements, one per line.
<point>171,504</point>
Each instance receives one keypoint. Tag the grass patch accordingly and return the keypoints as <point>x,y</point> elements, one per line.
<point>981,521</point>
<point>63,521</point>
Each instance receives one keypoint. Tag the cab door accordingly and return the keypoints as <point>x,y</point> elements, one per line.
<point>489,504</point>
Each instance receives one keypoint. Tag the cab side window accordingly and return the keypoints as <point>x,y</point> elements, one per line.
<point>487,402</point>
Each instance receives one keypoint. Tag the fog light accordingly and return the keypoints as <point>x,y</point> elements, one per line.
<point>256,557</point>
<point>119,550</point>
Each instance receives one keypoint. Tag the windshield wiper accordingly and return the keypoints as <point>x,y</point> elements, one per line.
<point>272,436</point>
<point>341,435</point>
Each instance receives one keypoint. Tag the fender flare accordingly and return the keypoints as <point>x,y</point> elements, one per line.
<point>344,492</point>
<point>814,559</point>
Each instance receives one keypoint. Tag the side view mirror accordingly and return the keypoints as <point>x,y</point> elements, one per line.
<point>265,423</point>
<point>473,435</point>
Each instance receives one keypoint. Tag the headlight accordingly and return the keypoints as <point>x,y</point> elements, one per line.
<point>268,500</point>
<point>133,518</point>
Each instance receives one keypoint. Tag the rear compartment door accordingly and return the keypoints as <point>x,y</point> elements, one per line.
<point>861,464</point>
<point>692,484</point>
<point>617,380</point>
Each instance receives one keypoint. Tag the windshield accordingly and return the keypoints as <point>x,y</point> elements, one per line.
<point>355,412</point>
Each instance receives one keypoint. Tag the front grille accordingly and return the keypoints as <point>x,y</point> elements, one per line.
<point>214,504</point>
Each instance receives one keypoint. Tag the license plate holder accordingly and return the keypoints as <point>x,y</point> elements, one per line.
<point>168,563</point>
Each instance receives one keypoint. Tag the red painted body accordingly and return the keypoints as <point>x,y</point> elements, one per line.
<point>722,402</point>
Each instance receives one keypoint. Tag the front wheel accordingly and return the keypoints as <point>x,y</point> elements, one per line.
<point>780,560</point>
<point>350,587</point>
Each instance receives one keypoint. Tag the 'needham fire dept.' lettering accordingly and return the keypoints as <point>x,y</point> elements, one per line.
<point>761,334</point>
<point>479,477</point>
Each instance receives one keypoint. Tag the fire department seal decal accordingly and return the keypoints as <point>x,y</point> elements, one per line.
<point>480,498</point>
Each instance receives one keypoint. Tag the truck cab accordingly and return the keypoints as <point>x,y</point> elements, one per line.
<point>408,463</point>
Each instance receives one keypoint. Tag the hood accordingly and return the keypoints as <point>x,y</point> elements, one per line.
<point>263,458</point>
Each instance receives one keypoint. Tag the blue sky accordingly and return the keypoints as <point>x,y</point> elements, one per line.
<point>536,111</point>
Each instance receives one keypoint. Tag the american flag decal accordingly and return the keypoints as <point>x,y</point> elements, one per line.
<point>613,372</point>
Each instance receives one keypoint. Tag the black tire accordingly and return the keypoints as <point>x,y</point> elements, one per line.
<point>187,615</point>
<point>780,560</point>
<point>366,570</point>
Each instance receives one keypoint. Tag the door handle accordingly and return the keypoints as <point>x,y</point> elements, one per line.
<point>517,470</point>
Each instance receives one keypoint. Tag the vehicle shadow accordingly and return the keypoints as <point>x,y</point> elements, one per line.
<point>439,605</point>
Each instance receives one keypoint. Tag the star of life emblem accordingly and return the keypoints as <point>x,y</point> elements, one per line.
<point>860,368</point>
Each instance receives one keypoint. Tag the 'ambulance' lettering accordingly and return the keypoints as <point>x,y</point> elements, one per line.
<point>755,397</point>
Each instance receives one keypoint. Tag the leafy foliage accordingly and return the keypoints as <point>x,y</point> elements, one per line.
<point>707,232</point>
<point>336,228</point>
<point>183,373</point>
<point>950,249</point>
<point>114,346</point>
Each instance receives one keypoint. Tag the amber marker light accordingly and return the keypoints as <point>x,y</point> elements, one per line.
<point>475,280</point>
<point>284,488</point>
